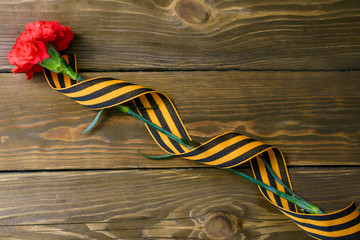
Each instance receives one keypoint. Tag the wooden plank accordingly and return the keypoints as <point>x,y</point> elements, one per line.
<point>132,204</point>
<point>313,122</point>
<point>197,34</point>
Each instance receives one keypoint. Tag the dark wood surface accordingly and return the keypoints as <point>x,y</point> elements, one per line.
<point>198,34</point>
<point>283,72</point>
<point>311,116</point>
<point>158,204</point>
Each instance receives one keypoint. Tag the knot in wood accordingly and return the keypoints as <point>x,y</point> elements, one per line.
<point>192,11</point>
<point>221,226</point>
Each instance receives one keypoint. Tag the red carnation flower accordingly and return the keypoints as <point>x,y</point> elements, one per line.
<point>30,47</point>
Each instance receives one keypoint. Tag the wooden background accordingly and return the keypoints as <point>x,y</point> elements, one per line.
<point>283,72</point>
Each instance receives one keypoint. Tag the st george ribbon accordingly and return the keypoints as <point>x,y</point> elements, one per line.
<point>224,151</point>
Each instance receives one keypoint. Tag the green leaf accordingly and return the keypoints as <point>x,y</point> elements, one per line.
<point>156,157</point>
<point>96,119</point>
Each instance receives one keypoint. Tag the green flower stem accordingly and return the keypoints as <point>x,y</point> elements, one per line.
<point>268,167</point>
<point>308,207</point>
<point>184,142</point>
<point>57,64</point>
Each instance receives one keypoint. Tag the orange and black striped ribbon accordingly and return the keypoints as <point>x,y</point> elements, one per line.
<point>224,151</point>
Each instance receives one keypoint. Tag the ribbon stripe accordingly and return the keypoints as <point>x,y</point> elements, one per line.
<point>159,109</point>
<point>224,151</point>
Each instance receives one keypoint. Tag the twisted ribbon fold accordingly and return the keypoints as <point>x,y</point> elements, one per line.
<point>224,151</point>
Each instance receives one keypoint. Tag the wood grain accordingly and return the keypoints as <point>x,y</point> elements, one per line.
<point>312,116</point>
<point>158,204</point>
<point>197,34</point>
<point>209,56</point>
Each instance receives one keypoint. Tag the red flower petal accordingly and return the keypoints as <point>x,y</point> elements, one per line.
<point>43,31</point>
<point>63,39</point>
